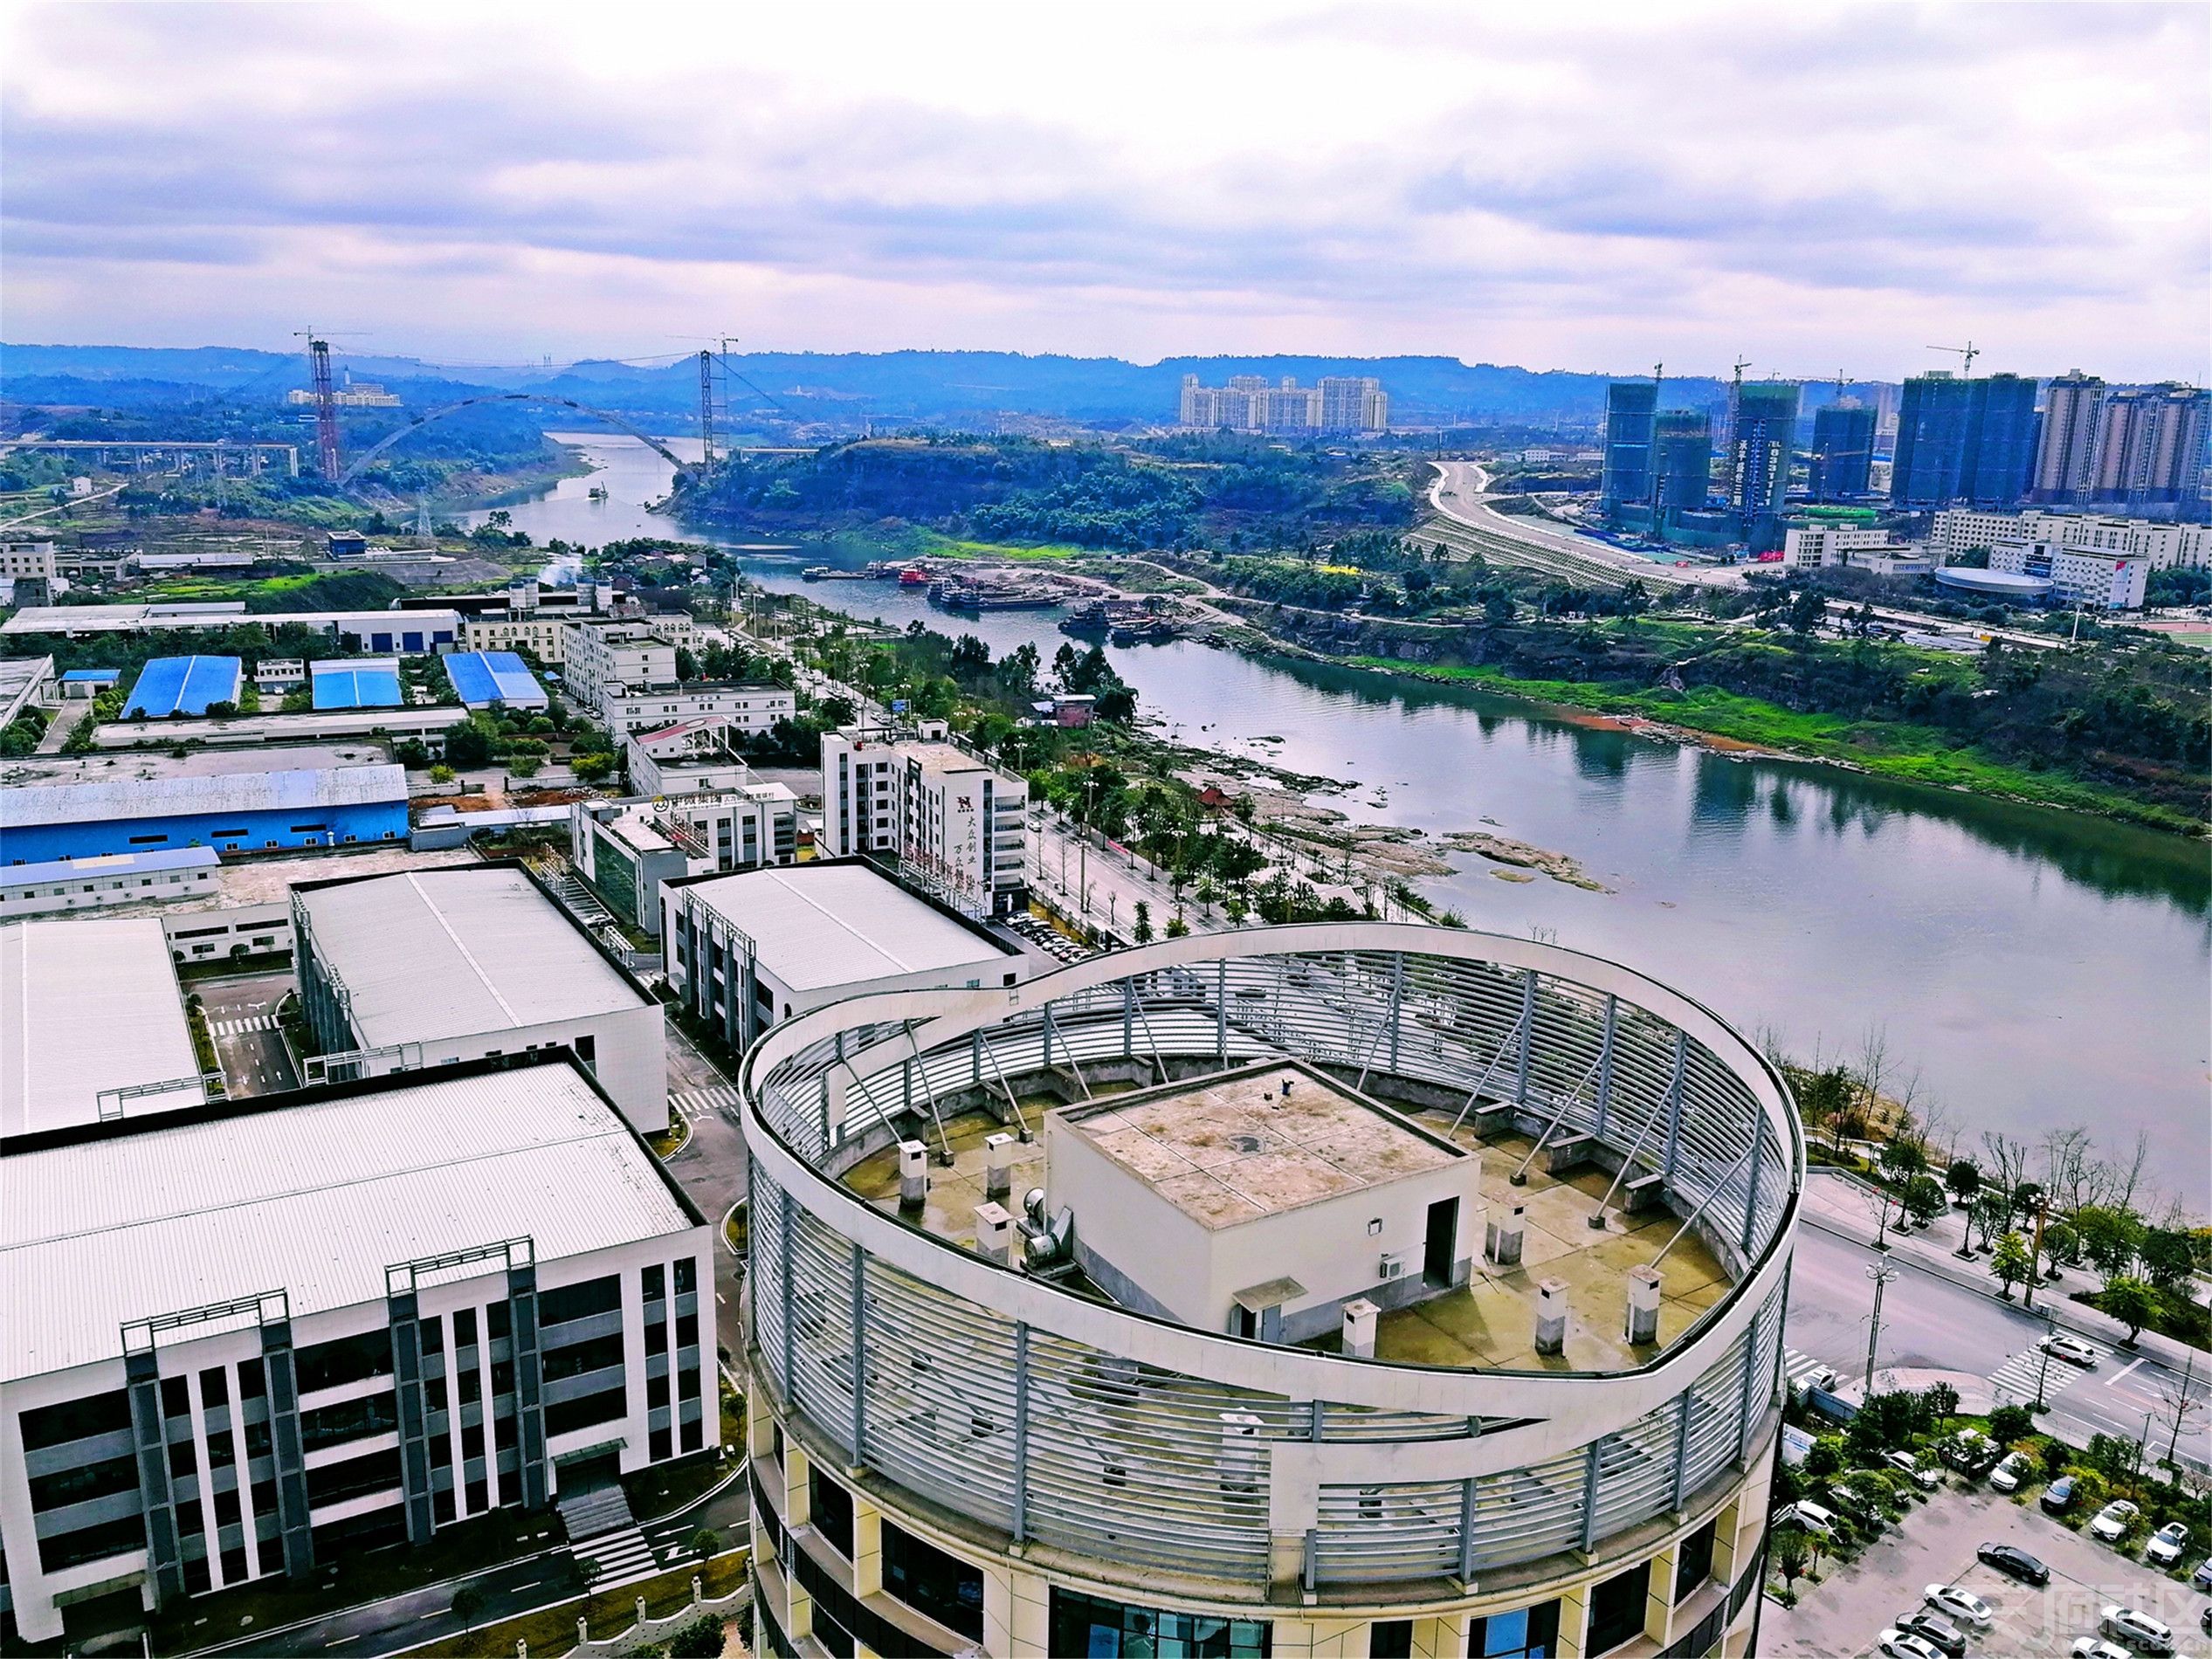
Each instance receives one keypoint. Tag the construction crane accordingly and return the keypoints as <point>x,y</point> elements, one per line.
<point>706,412</point>
<point>1969,352</point>
<point>326,456</point>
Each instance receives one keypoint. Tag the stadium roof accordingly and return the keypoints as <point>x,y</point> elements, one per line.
<point>2009,584</point>
<point>431,953</point>
<point>89,1004</point>
<point>170,685</point>
<point>482,679</point>
<point>112,799</point>
<point>373,682</point>
<point>824,925</point>
<point>316,1197</point>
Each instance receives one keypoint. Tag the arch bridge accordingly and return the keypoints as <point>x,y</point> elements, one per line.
<point>361,461</point>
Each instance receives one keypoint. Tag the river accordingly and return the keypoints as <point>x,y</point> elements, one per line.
<point>2037,968</point>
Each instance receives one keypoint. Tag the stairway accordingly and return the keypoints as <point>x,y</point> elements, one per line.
<point>594,1509</point>
<point>604,1537</point>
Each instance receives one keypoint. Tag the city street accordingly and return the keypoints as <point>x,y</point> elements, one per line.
<point>709,1165</point>
<point>241,1013</point>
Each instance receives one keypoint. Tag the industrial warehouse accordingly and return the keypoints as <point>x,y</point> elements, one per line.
<point>228,811</point>
<point>349,1317</point>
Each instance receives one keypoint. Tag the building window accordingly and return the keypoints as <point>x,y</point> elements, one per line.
<point>1694,1562</point>
<point>1617,1609</point>
<point>831,1507</point>
<point>1092,1625</point>
<point>1390,1639</point>
<point>1527,1633</point>
<point>327,1365</point>
<point>941,1587</point>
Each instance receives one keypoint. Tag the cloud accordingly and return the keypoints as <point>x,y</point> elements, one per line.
<point>1569,188</point>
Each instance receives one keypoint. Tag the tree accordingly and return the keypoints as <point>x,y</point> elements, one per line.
<point>1806,610</point>
<point>2061,1245</point>
<point>836,709</point>
<point>1924,1199</point>
<point>2135,1303</point>
<point>2010,1263</point>
<point>2110,1237</point>
<point>1790,1549</point>
<point>441,773</point>
<point>468,1605</point>
<point>1964,1179</point>
<point>686,663</point>
<point>1177,928</point>
<point>2168,1256</point>
<point>589,768</point>
<point>2010,1424</point>
<point>705,1542</point>
<point>1824,1457</point>
<point>1141,929</point>
<point>1903,1157</point>
<point>1989,1214</point>
<point>1938,1400</point>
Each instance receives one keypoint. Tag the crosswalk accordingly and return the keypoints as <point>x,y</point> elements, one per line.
<point>2018,1375</point>
<point>695,1104</point>
<point>615,1558</point>
<point>250,1022</point>
<point>1801,1370</point>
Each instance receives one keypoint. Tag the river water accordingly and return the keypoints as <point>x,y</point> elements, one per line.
<point>2037,968</point>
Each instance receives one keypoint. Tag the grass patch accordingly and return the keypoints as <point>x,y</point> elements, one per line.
<point>1891,749</point>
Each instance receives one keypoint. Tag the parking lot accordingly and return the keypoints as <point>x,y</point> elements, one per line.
<point>1845,1613</point>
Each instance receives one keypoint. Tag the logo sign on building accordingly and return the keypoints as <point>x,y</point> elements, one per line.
<point>898,707</point>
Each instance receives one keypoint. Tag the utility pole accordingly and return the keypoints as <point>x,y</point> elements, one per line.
<point>2042,1374</point>
<point>1881,1273</point>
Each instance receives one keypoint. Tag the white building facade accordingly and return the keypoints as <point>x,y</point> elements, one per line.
<point>956,825</point>
<point>2078,575</point>
<point>2160,545</point>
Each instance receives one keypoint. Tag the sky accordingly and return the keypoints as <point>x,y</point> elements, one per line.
<point>1814,189</point>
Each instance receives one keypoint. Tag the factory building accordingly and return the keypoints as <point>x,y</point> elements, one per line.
<point>424,967</point>
<point>231,812</point>
<point>494,679</point>
<point>119,879</point>
<point>409,633</point>
<point>744,952</point>
<point>92,1024</point>
<point>212,1372</point>
<point>355,683</point>
<point>170,685</point>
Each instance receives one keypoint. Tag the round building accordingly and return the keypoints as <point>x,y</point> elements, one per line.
<point>1357,1289</point>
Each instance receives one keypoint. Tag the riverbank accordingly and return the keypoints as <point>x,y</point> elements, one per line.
<point>1728,723</point>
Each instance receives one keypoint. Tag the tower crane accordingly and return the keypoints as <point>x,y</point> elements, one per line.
<point>325,400</point>
<point>1969,352</point>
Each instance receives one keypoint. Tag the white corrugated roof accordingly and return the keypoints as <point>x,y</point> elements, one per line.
<point>115,798</point>
<point>88,1003</point>
<point>314,1199</point>
<point>817,926</point>
<point>433,953</point>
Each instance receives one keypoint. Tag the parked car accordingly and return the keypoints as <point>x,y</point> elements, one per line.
<point>1961,1605</point>
<point>2201,1579</point>
<point>2166,1544</point>
<point>2136,1630</point>
<point>1936,1630</point>
<point>1903,1644</point>
<point>1808,1516</point>
<point>1969,1451</point>
<point>2098,1647</point>
<point>1926,1479</point>
<point>1859,1506</point>
<point>2008,1475</point>
<point>2072,1350</point>
<point>2058,1496</point>
<point>2014,1562</point>
<point>2111,1522</point>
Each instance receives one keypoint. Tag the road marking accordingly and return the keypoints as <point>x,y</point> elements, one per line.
<point>531,1584</point>
<point>2116,1375</point>
<point>336,1642</point>
<point>724,1300</point>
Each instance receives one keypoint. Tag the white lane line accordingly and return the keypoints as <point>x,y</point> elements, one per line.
<point>724,1300</point>
<point>2116,1375</point>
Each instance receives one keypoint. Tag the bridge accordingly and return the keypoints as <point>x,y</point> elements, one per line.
<point>368,455</point>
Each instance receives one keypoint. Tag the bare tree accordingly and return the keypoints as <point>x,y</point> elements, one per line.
<point>2066,1161</point>
<point>1872,1067</point>
<point>2004,1165</point>
<point>2177,1404</point>
<point>2130,1175</point>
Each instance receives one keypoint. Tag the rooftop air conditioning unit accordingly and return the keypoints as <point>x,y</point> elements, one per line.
<point>1394,1265</point>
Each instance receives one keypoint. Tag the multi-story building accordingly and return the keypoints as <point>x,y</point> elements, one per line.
<point>1964,440</point>
<point>1253,403</point>
<point>1413,1292</point>
<point>2084,577</point>
<point>1852,546</point>
<point>2150,445</point>
<point>2066,445</point>
<point>628,850</point>
<point>624,673</point>
<point>957,826</point>
<point>2162,545</point>
<point>93,883</point>
<point>1630,407</point>
<point>1843,451</point>
<point>751,708</point>
<point>1763,434</point>
<point>685,757</point>
<point>1681,460</point>
<point>490,1295</point>
<point>34,560</point>
<point>427,967</point>
<point>604,657</point>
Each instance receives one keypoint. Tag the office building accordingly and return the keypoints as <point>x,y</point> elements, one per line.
<point>1625,480</point>
<point>27,560</point>
<point>744,952</point>
<point>2161,544</point>
<point>1200,1302</point>
<point>1854,546</point>
<point>2150,447</point>
<point>2088,577</point>
<point>93,1026</point>
<point>1681,461</point>
<point>1762,435</point>
<point>1842,451</point>
<point>957,826</point>
<point>231,812</point>
<point>1253,403</point>
<point>1964,440</point>
<point>2066,444</point>
<point>428,966</point>
<point>624,673</point>
<point>628,849</point>
<point>686,756</point>
<point>214,1371</point>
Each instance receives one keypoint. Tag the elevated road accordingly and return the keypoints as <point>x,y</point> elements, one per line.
<point>1465,521</point>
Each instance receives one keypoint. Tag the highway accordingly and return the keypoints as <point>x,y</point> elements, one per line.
<point>1929,1322</point>
<point>1460,497</point>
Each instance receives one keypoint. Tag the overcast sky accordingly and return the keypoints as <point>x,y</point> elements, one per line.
<point>1560,186</point>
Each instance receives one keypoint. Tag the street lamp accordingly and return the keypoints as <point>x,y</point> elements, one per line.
<point>1881,1273</point>
<point>2042,1374</point>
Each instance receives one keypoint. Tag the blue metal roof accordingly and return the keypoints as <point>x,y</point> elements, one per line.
<point>92,676</point>
<point>170,685</point>
<point>356,684</point>
<point>113,864</point>
<point>482,679</point>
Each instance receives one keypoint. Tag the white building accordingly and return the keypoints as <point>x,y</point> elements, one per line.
<point>2078,576</point>
<point>32,558</point>
<point>956,825</point>
<point>23,681</point>
<point>1828,547</point>
<point>93,1028</point>
<point>344,1318</point>
<point>117,878</point>
<point>424,967</point>
<point>750,708</point>
<point>544,637</point>
<point>628,849</point>
<point>743,952</point>
<point>2160,546</point>
<point>686,756</point>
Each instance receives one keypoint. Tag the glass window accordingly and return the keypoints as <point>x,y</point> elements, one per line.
<point>176,1397</point>
<point>601,1354</point>
<point>1693,1565</point>
<point>1390,1639</point>
<point>1092,1626</point>
<point>76,1420</point>
<point>943,1586</point>
<point>686,1276</point>
<point>1617,1609</point>
<point>215,1387</point>
<point>609,1405</point>
<point>1527,1633</point>
<point>378,1471</point>
<point>464,1328</point>
<point>831,1507</point>
<point>84,1481</point>
<point>325,1365</point>
<point>655,1279</point>
<point>566,1302</point>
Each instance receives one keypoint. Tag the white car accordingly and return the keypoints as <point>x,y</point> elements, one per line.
<point>2111,1522</point>
<point>2098,1647</point>
<point>1903,1644</point>
<point>1962,1605</point>
<point>2167,1544</point>
<point>2008,1475</point>
<point>1926,1479</point>
<point>2136,1630</point>
<point>2072,1350</point>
